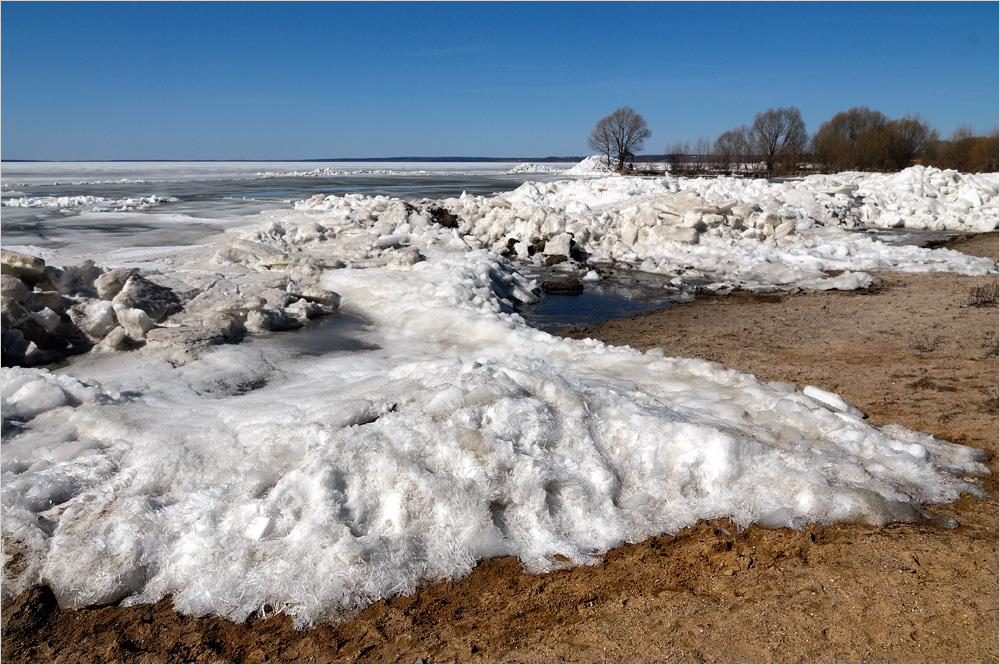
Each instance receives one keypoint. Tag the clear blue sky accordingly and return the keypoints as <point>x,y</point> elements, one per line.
<point>285,80</point>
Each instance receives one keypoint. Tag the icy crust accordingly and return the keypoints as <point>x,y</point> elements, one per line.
<point>95,203</point>
<point>26,393</point>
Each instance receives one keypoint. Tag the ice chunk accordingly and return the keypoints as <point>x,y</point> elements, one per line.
<point>140,293</point>
<point>833,401</point>
<point>386,241</point>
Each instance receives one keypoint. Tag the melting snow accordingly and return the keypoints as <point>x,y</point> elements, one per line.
<point>443,430</point>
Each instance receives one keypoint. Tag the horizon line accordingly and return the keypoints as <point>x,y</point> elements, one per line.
<point>550,158</point>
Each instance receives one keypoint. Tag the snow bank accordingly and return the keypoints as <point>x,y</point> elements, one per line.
<point>250,479</point>
<point>723,233</point>
<point>593,165</point>
<point>928,198</point>
<point>431,428</point>
<point>528,167</point>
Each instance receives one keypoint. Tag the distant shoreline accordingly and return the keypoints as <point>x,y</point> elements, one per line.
<point>323,159</point>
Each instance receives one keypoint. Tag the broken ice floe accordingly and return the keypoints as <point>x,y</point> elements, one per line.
<point>50,313</point>
<point>93,203</point>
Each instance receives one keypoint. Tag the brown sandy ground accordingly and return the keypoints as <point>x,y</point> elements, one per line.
<point>911,351</point>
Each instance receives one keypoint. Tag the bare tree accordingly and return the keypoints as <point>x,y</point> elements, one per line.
<point>702,151</point>
<point>726,149</point>
<point>745,148</point>
<point>852,139</point>
<point>601,139</point>
<point>780,135</point>
<point>907,138</point>
<point>962,132</point>
<point>619,135</point>
<point>673,154</point>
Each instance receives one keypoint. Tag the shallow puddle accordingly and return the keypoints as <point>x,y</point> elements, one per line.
<point>328,335</point>
<point>618,294</point>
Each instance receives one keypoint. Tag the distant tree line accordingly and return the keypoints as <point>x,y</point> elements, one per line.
<point>859,139</point>
<point>776,143</point>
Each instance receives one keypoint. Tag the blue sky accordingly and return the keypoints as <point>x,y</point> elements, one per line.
<point>289,80</point>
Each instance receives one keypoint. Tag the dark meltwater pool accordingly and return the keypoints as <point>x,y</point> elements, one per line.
<point>616,295</point>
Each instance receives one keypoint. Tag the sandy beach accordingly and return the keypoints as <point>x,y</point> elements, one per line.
<point>914,350</point>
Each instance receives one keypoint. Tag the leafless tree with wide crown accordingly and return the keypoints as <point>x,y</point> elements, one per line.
<point>618,135</point>
<point>780,135</point>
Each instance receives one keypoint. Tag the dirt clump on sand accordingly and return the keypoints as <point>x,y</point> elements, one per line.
<point>916,350</point>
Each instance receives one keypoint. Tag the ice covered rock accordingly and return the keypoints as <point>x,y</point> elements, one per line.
<point>109,284</point>
<point>387,241</point>
<point>74,280</point>
<point>305,310</point>
<point>20,265</point>
<point>140,293</point>
<point>314,294</point>
<point>269,320</point>
<point>227,296</point>
<point>190,338</point>
<point>135,322</point>
<point>559,244</point>
<point>658,235</point>
<point>96,318</point>
<point>116,339</point>
<point>46,319</point>
<point>13,288</point>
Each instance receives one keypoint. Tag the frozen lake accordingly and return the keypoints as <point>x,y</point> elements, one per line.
<point>73,206</point>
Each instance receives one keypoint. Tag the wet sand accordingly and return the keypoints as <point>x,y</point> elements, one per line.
<point>912,351</point>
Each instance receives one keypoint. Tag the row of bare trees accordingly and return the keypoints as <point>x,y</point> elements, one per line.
<point>965,151</point>
<point>776,143</point>
<point>859,139</point>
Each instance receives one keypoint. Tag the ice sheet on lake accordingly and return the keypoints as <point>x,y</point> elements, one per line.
<point>255,476</point>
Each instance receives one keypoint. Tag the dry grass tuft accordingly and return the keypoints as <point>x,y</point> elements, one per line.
<point>984,295</point>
